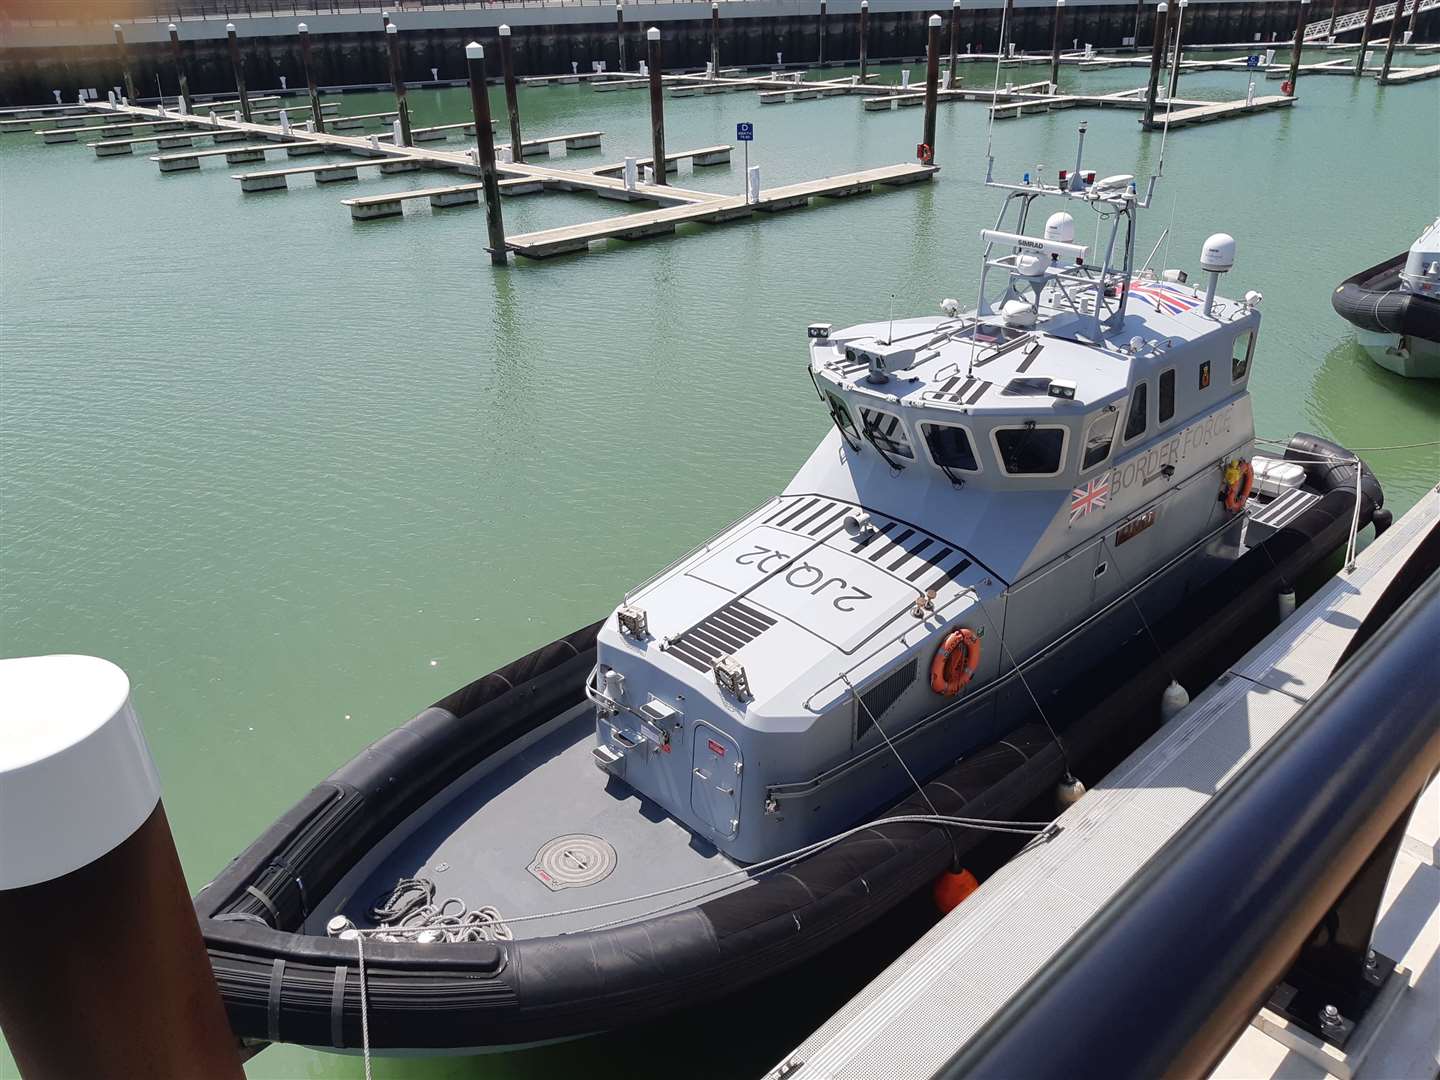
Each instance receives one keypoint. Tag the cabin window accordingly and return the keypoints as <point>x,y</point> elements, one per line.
<point>1240,356</point>
<point>1135,423</point>
<point>1098,438</point>
<point>886,432</point>
<point>1031,450</point>
<point>950,447</point>
<point>1167,395</point>
<point>842,418</point>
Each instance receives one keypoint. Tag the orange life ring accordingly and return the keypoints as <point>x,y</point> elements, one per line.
<point>955,662</point>
<point>1239,479</point>
<point>925,154</point>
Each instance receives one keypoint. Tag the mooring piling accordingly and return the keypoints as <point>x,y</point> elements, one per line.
<point>1007,28</point>
<point>1365,38</point>
<point>315,112</point>
<point>620,31</point>
<point>485,141</point>
<point>1334,14</point>
<point>1157,48</point>
<point>1055,47</point>
<point>954,41</point>
<point>1302,8</point>
<point>512,100</point>
<point>1140,10</point>
<point>237,64</point>
<point>864,35</point>
<point>180,74</point>
<point>1390,40</point>
<point>125,63</point>
<point>820,60</point>
<point>397,79</point>
<point>1175,59</point>
<point>714,40</point>
<point>932,83</point>
<point>657,103</point>
<point>103,929</point>
<point>1414,16</point>
<point>384,20</point>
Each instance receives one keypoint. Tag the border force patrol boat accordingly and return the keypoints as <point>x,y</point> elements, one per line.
<point>765,747</point>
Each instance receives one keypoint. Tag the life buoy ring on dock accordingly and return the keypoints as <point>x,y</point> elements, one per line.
<point>1239,479</point>
<point>925,153</point>
<point>955,662</point>
<point>1287,88</point>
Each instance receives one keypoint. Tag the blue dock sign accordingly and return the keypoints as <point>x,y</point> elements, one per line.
<point>1252,61</point>
<point>745,131</point>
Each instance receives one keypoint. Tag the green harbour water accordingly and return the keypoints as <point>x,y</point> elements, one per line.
<point>301,476</point>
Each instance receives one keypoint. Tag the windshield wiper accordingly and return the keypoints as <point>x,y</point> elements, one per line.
<point>870,430</point>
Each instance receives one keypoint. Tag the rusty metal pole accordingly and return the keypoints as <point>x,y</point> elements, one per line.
<point>1302,8</point>
<point>1055,47</point>
<point>512,100</point>
<point>315,113</point>
<point>1390,40</point>
<point>1175,60</point>
<point>1364,40</point>
<point>932,85</point>
<point>657,105</point>
<point>237,64</point>
<point>182,75</point>
<point>954,41</point>
<point>125,64</point>
<point>714,40</point>
<point>485,141</point>
<point>864,35</point>
<point>397,78</point>
<point>820,62</point>
<point>105,971</point>
<point>1162,11</point>
<point>620,31</point>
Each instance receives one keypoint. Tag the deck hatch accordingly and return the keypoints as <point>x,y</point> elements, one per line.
<point>724,631</point>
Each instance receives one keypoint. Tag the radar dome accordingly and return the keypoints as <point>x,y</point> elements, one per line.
<point>1218,254</point>
<point>1060,227</point>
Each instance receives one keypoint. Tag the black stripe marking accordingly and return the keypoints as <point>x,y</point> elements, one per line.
<point>929,564</point>
<point>950,382</point>
<point>893,544</point>
<point>800,525</point>
<point>979,392</point>
<point>783,507</point>
<point>828,521</point>
<point>903,559</point>
<point>872,535</point>
<point>799,509</point>
<point>951,574</point>
<point>965,388</point>
<point>746,609</point>
<point>1030,357</point>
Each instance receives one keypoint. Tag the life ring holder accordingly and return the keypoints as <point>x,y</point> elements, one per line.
<point>955,662</point>
<point>925,153</point>
<point>1239,480</point>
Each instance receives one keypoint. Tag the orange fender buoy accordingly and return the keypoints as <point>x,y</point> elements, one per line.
<point>1239,479</point>
<point>951,889</point>
<point>955,661</point>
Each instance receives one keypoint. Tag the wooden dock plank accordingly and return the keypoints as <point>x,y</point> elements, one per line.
<point>1222,110</point>
<point>235,148</point>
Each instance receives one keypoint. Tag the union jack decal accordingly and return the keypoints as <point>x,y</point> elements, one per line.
<point>1093,496</point>
<point>1166,298</point>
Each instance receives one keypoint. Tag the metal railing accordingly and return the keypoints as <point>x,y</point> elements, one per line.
<point>83,12</point>
<point>1318,31</point>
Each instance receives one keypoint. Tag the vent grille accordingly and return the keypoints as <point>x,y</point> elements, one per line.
<point>877,700</point>
<point>719,634</point>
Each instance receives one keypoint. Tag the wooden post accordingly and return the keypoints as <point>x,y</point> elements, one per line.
<point>714,40</point>
<point>125,64</point>
<point>485,140</point>
<point>1302,8</point>
<point>820,62</point>
<point>1175,60</point>
<point>1364,39</point>
<point>1414,15</point>
<point>182,75</point>
<point>512,100</point>
<point>397,78</point>
<point>1055,47</point>
<point>864,35</point>
<point>1139,9</point>
<point>237,63</point>
<point>1334,14</point>
<point>932,85</point>
<point>657,105</point>
<point>1390,39</point>
<point>620,31</point>
<point>315,113</point>
<point>1162,11</point>
<point>1007,28</point>
<point>105,971</point>
<point>954,41</point>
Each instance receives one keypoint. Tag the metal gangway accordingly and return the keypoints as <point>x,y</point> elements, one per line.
<point>1318,31</point>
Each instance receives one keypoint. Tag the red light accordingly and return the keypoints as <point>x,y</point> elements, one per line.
<point>1089,178</point>
<point>1063,174</point>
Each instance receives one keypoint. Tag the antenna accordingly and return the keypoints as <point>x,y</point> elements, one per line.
<point>994,96</point>
<point>890,333</point>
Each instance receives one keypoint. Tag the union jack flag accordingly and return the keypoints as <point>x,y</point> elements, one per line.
<point>1165,297</point>
<point>1093,496</point>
